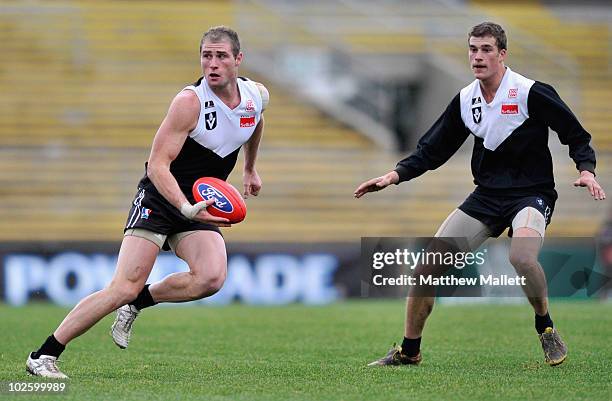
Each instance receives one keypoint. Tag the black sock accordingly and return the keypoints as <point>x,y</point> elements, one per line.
<point>542,322</point>
<point>144,299</point>
<point>50,347</point>
<point>411,346</point>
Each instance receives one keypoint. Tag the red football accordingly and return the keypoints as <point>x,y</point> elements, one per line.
<point>228,201</point>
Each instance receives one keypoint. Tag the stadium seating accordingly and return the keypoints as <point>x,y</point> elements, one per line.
<point>86,85</point>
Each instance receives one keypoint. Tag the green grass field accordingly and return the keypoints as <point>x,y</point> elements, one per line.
<point>471,352</point>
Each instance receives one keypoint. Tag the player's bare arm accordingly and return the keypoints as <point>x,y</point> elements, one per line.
<point>182,117</point>
<point>587,179</point>
<point>376,184</point>
<point>250,177</point>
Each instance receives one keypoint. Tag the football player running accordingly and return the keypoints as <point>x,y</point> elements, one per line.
<point>163,214</point>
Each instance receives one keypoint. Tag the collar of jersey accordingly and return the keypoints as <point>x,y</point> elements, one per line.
<point>220,102</point>
<point>501,85</point>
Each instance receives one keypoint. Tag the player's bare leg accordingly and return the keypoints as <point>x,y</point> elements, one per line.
<point>524,251</point>
<point>204,252</point>
<point>136,259</point>
<point>419,306</point>
<point>418,309</point>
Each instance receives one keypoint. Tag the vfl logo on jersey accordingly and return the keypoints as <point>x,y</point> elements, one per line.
<point>512,93</point>
<point>509,108</point>
<point>211,120</point>
<point>247,121</point>
<point>145,213</point>
<point>209,104</point>
<point>540,202</point>
<point>476,109</point>
<point>249,105</point>
<point>221,202</point>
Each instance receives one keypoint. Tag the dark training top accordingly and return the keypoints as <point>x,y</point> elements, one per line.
<point>510,136</point>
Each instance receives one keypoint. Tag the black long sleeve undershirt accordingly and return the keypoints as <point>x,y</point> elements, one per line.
<point>522,160</point>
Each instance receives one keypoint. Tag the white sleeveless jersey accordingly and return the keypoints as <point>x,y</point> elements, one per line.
<point>211,149</point>
<point>221,129</point>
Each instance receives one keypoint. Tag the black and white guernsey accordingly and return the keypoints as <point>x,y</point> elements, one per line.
<point>510,136</point>
<point>211,149</point>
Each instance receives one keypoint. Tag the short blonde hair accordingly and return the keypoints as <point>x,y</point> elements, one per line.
<point>219,33</point>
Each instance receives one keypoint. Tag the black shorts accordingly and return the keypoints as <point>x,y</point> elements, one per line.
<point>151,211</point>
<point>497,209</point>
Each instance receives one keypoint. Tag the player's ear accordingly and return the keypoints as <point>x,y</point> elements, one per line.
<point>239,59</point>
